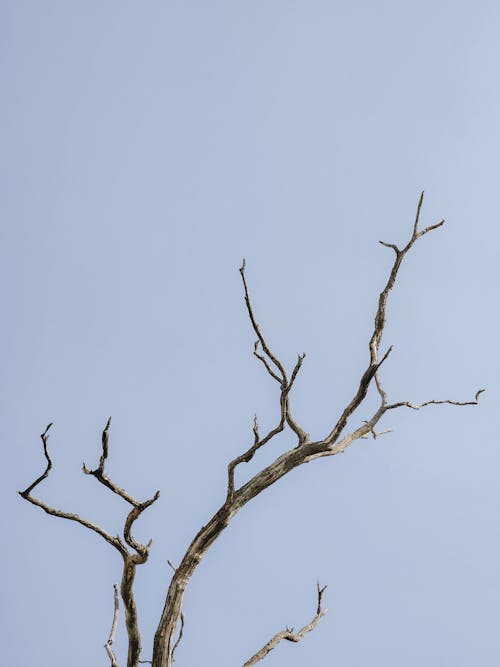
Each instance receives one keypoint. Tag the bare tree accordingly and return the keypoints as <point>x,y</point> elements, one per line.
<point>302,450</point>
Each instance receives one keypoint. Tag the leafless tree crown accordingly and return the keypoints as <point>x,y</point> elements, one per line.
<point>302,450</point>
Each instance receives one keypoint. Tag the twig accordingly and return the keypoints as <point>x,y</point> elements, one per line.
<point>417,406</point>
<point>377,434</point>
<point>182,623</point>
<point>288,633</point>
<point>178,638</point>
<point>265,362</point>
<point>248,455</point>
<point>258,332</point>
<point>111,637</point>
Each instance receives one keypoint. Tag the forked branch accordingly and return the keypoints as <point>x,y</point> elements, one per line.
<point>288,633</point>
<point>26,494</point>
<point>379,325</point>
<point>130,560</point>
<point>302,450</point>
<point>297,455</point>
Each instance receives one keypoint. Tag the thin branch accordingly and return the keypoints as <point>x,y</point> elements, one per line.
<point>265,362</point>
<point>138,506</point>
<point>301,434</point>
<point>369,426</point>
<point>288,633</point>
<point>376,434</point>
<point>172,660</point>
<point>285,385</point>
<point>417,217</point>
<point>26,494</point>
<point>391,245</point>
<point>417,406</point>
<point>360,395</point>
<point>380,389</point>
<point>44,436</point>
<point>257,330</point>
<point>178,638</point>
<point>280,375</point>
<point>109,643</point>
<point>379,325</point>
<point>101,476</point>
<point>300,359</point>
<point>248,455</point>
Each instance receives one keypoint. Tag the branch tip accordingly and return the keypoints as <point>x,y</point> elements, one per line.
<point>288,633</point>
<point>391,245</point>
<point>384,357</point>
<point>419,206</point>
<point>44,434</point>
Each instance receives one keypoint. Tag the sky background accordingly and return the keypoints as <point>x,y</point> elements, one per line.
<point>146,148</point>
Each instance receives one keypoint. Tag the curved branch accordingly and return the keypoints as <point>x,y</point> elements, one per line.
<point>130,561</point>
<point>133,515</point>
<point>379,325</point>
<point>285,385</point>
<point>109,643</point>
<point>288,633</point>
<point>417,406</point>
<point>283,377</point>
<point>178,641</point>
<point>101,476</point>
<point>138,506</point>
<point>26,494</point>
<point>289,460</point>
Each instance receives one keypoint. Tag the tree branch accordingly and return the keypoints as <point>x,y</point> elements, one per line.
<point>306,451</point>
<point>269,359</point>
<point>109,643</point>
<point>181,631</point>
<point>417,406</point>
<point>283,378</point>
<point>172,616</point>
<point>288,633</point>
<point>101,476</point>
<point>26,494</point>
<point>130,560</point>
<point>138,506</point>
<point>379,325</point>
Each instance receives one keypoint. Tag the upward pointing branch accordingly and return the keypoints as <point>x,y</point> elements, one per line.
<point>140,552</point>
<point>379,325</point>
<point>26,494</point>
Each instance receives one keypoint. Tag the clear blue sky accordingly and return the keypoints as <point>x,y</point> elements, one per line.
<point>146,148</point>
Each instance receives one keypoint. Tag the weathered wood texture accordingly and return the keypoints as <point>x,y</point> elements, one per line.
<point>302,450</point>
